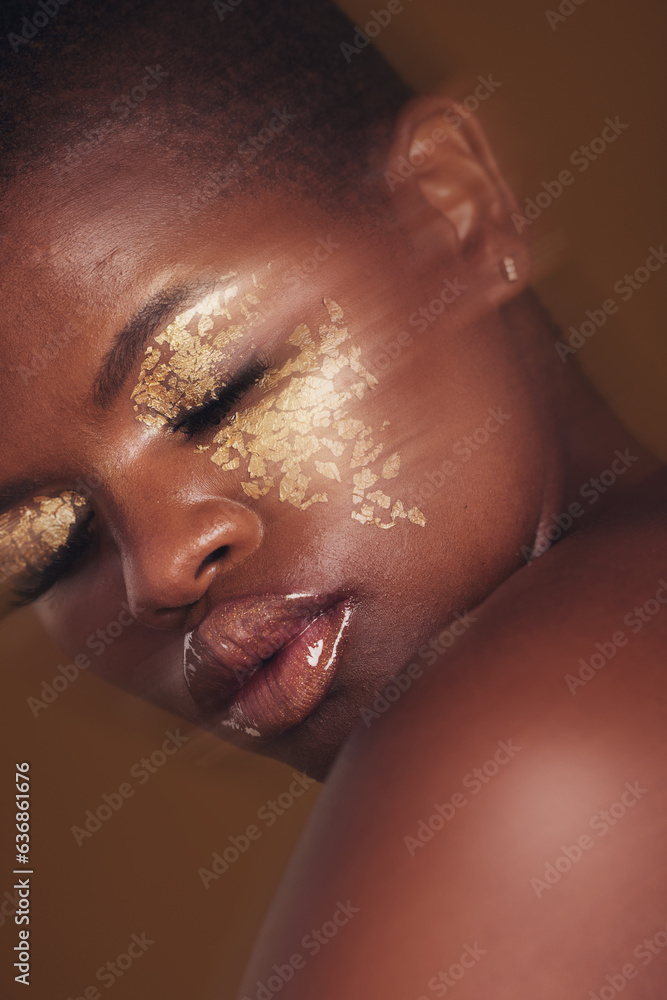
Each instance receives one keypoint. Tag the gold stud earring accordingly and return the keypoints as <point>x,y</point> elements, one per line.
<point>508,267</point>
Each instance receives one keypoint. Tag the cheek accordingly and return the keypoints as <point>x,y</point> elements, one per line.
<point>89,617</point>
<point>306,441</point>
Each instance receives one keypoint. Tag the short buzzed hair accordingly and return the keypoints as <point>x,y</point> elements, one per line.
<point>242,88</point>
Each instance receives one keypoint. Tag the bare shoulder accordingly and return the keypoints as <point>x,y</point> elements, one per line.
<point>501,829</point>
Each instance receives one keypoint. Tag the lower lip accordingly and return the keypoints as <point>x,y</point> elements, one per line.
<point>290,685</point>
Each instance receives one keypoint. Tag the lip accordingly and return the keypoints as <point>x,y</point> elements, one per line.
<point>261,665</point>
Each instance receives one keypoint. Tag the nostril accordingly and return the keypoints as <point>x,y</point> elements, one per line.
<point>216,556</point>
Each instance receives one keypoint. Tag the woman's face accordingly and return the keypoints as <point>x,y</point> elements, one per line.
<point>300,455</point>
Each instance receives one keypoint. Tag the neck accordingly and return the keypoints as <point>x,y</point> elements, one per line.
<point>582,433</point>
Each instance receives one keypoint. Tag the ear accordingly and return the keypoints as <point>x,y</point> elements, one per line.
<point>453,198</point>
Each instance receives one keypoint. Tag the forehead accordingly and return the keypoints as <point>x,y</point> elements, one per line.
<point>113,223</point>
<point>84,251</point>
<point>87,248</point>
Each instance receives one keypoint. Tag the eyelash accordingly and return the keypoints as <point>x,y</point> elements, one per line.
<point>228,397</point>
<point>40,581</point>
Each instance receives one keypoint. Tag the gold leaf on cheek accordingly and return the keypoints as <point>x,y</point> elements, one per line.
<point>328,469</point>
<point>391,466</point>
<point>380,498</point>
<point>335,447</point>
<point>278,438</point>
<point>335,312</point>
<point>254,491</point>
<point>303,421</point>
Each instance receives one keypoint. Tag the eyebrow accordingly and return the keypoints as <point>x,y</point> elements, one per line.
<point>131,342</point>
<point>128,346</point>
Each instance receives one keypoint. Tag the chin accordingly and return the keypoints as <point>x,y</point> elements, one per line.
<point>312,746</point>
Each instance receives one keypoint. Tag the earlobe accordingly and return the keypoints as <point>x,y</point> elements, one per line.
<point>441,168</point>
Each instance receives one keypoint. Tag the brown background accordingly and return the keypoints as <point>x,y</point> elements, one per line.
<point>139,872</point>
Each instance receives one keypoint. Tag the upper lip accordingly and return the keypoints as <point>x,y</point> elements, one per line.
<point>235,638</point>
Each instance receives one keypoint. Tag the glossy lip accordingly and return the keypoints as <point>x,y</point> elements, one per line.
<point>261,665</point>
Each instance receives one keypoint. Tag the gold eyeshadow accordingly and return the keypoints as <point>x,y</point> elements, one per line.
<point>32,536</point>
<point>181,371</point>
<point>302,436</point>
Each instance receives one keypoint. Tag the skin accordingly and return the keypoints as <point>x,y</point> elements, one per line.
<point>86,254</point>
<point>471,882</point>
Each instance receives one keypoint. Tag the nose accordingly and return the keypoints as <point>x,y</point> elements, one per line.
<point>171,556</point>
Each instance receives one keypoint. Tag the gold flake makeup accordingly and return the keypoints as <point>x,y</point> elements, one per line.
<point>33,535</point>
<point>303,435</point>
<point>182,370</point>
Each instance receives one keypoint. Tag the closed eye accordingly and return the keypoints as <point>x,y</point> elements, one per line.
<point>225,400</point>
<point>40,580</point>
